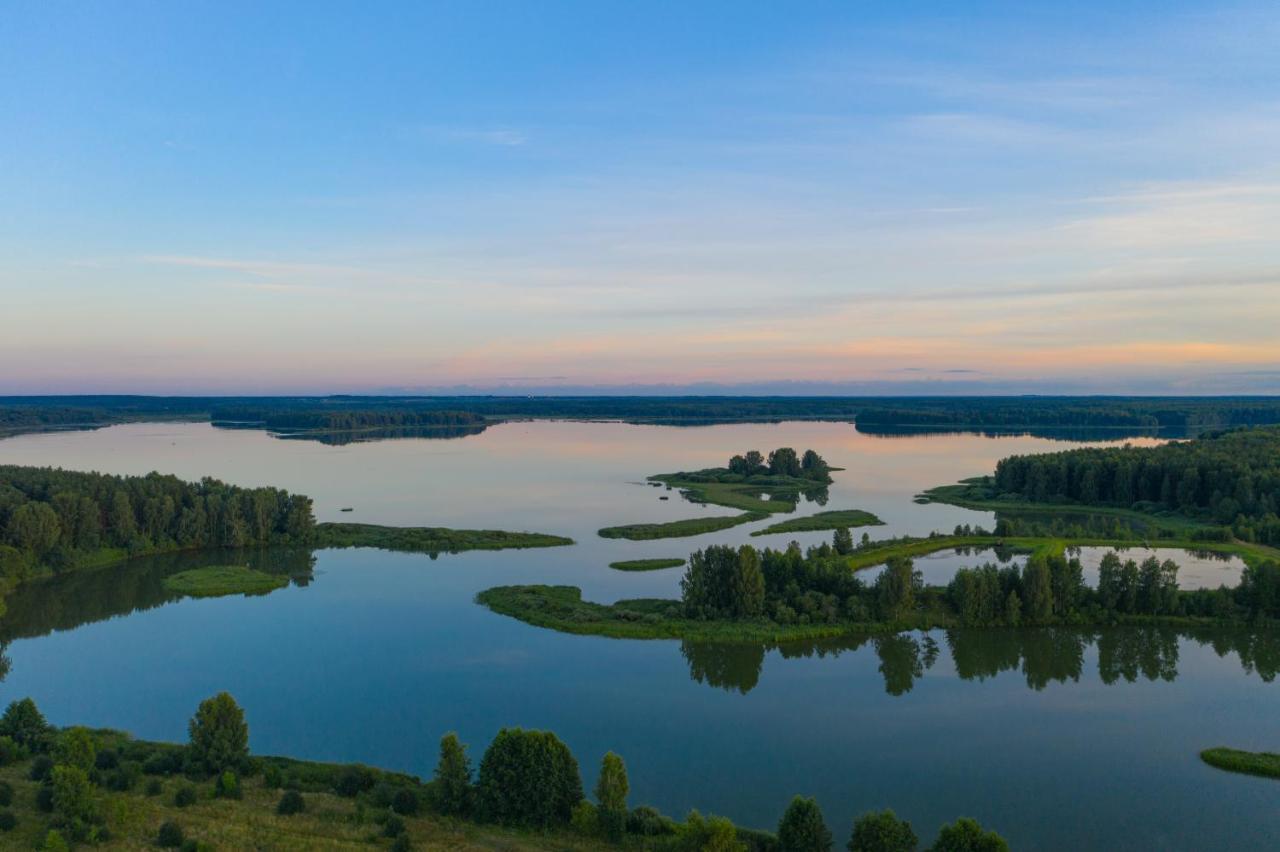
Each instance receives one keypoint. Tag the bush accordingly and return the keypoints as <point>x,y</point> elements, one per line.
<point>40,768</point>
<point>123,779</point>
<point>227,786</point>
<point>354,780</point>
<point>585,819</point>
<point>6,794</point>
<point>291,803</point>
<point>528,778</point>
<point>219,735</point>
<point>10,751</point>
<point>393,827</point>
<point>154,787</point>
<point>107,759</point>
<point>401,844</point>
<point>166,762</point>
<point>24,724</point>
<point>185,795</point>
<point>53,842</point>
<point>44,798</point>
<point>882,832</point>
<point>802,828</point>
<point>272,777</point>
<point>404,802</point>
<point>170,835</point>
<point>966,835</point>
<point>649,822</point>
<point>8,822</point>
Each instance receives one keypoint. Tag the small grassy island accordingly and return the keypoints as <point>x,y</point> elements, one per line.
<point>218,580</point>
<point>1262,763</point>
<point>70,786</point>
<point>430,539</point>
<point>680,529</point>
<point>646,564</point>
<point>834,520</point>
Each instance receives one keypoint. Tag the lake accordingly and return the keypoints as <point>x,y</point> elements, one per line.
<point>1058,739</point>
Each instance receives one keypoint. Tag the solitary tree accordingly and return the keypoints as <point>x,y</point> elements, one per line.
<point>842,541</point>
<point>76,748</point>
<point>802,828</point>
<point>528,778</point>
<point>611,795</point>
<point>23,723</point>
<point>72,795</point>
<point>882,832</point>
<point>219,734</point>
<point>453,777</point>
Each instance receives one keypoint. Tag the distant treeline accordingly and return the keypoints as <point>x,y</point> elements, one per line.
<point>52,519</point>
<point>344,419</point>
<point>873,413</point>
<point>1232,477</point>
<point>1109,412</point>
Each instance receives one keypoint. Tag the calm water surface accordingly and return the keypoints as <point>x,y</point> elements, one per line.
<point>1059,739</point>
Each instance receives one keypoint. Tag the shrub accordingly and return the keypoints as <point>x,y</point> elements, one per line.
<point>219,734</point>
<point>166,762</point>
<point>227,786</point>
<point>802,828</point>
<point>354,780</point>
<point>53,842</point>
<point>44,798</point>
<point>75,747</point>
<point>24,724</point>
<point>401,844</point>
<point>611,792</point>
<point>585,819</point>
<point>272,777</point>
<point>8,822</point>
<point>882,832</point>
<point>966,835</point>
<point>170,835</point>
<point>649,822</point>
<point>528,778</point>
<point>291,803</point>
<point>404,802</point>
<point>40,768</point>
<point>6,794</point>
<point>72,794</point>
<point>393,827</point>
<point>108,758</point>
<point>185,795</point>
<point>123,779</point>
<point>154,787</point>
<point>10,751</point>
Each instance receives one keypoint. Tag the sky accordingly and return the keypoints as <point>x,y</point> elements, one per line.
<point>314,197</point>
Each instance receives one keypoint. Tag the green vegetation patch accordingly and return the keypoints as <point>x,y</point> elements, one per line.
<point>833,520</point>
<point>680,529</point>
<point>430,539</point>
<point>646,564</point>
<point>217,580</point>
<point>1262,763</point>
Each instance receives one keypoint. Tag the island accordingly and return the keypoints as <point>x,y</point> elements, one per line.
<point>430,539</point>
<point>839,519</point>
<point>646,564</point>
<point>218,580</point>
<point>680,529</point>
<point>1262,763</point>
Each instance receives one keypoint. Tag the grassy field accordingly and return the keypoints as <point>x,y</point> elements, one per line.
<point>429,539</point>
<point>217,580</point>
<point>1262,763</point>
<point>680,529</point>
<point>833,520</point>
<point>646,564</point>
<point>330,822</point>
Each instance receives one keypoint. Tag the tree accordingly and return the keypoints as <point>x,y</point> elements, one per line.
<point>34,527</point>
<point>711,834</point>
<point>747,593</point>
<point>24,724</point>
<point>882,831</point>
<point>219,734</point>
<point>453,777</point>
<point>802,828</point>
<point>895,588</point>
<point>1037,591</point>
<point>611,795</point>
<point>75,747</point>
<point>814,467</point>
<point>755,463</point>
<point>966,835</point>
<point>784,462</point>
<point>72,796</point>
<point>528,778</point>
<point>842,541</point>
<point>1110,581</point>
<point>1013,609</point>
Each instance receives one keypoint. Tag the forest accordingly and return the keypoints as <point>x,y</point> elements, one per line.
<point>783,461</point>
<point>1231,478</point>
<point>1095,412</point>
<point>344,419</point>
<point>53,520</point>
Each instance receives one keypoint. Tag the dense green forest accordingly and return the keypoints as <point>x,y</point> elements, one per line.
<point>1231,478</point>
<point>343,419</point>
<point>1134,414</point>
<point>53,520</point>
<point>74,785</point>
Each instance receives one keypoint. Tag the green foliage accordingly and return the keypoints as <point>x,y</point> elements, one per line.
<point>528,778</point>
<point>646,564</point>
<point>6,794</point>
<point>882,831</point>
<point>24,724</point>
<point>839,520</point>
<point>680,529</point>
<point>291,803</point>
<point>227,786</point>
<point>612,787</point>
<point>404,802</point>
<point>353,780</point>
<point>709,834</point>
<point>453,790</point>
<point>802,828</point>
<point>585,819</point>
<point>649,822</point>
<point>76,747</point>
<point>10,751</point>
<point>170,835</point>
<point>72,795</point>
<point>393,827</point>
<point>54,842</point>
<point>430,539</point>
<point>722,582</point>
<point>219,734</point>
<point>8,822</point>
<point>966,835</point>
<point>184,796</point>
<point>895,588</point>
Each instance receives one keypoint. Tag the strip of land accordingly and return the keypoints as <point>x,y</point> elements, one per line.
<point>646,564</point>
<point>833,520</point>
<point>430,539</point>
<point>1262,763</point>
<point>680,529</point>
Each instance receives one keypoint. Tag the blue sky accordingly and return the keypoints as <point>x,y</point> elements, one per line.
<point>276,197</point>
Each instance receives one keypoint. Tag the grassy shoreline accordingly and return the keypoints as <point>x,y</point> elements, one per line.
<point>832,520</point>
<point>429,539</point>
<point>1260,763</point>
<point>647,564</point>
<point>218,580</point>
<point>679,529</point>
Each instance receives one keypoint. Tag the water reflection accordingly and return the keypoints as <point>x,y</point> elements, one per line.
<point>1043,656</point>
